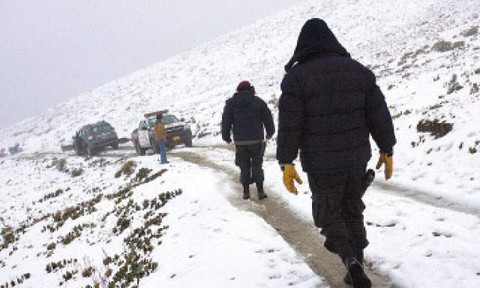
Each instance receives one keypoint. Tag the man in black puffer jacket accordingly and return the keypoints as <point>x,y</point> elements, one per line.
<point>248,114</point>
<point>329,107</point>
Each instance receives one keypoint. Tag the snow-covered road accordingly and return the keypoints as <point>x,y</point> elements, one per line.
<point>299,232</point>
<point>209,223</point>
<point>412,233</point>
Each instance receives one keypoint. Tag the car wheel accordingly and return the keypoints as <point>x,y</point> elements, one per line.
<point>78,151</point>
<point>115,146</point>
<point>154,147</point>
<point>78,148</point>
<point>140,151</point>
<point>90,151</point>
<point>170,146</point>
<point>188,143</point>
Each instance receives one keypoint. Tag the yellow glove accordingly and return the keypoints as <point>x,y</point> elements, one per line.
<point>388,161</point>
<point>289,174</point>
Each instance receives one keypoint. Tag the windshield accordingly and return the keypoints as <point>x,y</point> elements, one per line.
<point>166,119</point>
<point>152,121</point>
<point>169,119</point>
<point>100,129</point>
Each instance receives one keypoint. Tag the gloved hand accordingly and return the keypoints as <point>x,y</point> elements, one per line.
<point>386,159</point>
<point>290,174</point>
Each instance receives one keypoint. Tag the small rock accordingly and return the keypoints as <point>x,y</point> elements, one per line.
<point>470,32</point>
<point>442,46</point>
<point>459,45</point>
<point>474,89</point>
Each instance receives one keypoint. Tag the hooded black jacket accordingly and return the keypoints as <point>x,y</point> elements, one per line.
<point>329,106</point>
<point>248,114</point>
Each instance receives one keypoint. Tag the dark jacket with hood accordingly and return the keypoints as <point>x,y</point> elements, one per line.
<point>330,104</point>
<point>248,114</point>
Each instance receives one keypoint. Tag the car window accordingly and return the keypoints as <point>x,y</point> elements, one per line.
<point>169,119</point>
<point>166,119</point>
<point>103,128</point>
<point>152,121</point>
<point>143,125</point>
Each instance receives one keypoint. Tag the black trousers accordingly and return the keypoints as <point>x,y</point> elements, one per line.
<point>337,209</point>
<point>249,158</point>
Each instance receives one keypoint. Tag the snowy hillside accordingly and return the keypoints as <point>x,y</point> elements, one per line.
<point>402,42</point>
<point>426,56</point>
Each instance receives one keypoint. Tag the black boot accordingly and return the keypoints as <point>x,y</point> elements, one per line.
<point>261,193</point>
<point>246,192</point>
<point>358,278</point>
<point>359,256</point>
<point>347,279</point>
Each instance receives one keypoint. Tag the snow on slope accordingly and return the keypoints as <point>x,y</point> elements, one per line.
<point>103,228</point>
<point>395,38</point>
<point>414,244</point>
<point>400,40</point>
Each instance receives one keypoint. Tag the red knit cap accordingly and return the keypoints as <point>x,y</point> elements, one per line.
<point>243,85</point>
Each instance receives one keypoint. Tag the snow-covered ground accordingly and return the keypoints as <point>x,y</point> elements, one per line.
<point>203,240</point>
<point>414,244</point>
<point>426,56</point>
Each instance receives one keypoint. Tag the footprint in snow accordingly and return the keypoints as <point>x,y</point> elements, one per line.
<point>438,234</point>
<point>389,225</point>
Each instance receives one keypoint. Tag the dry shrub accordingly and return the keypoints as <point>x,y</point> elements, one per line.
<point>470,32</point>
<point>435,127</point>
<point>142,174</point>
<point>442,46</point>
<point>60,164</point>
<point>77,172</point>
<point>87,272</point>
<point>127,169</point>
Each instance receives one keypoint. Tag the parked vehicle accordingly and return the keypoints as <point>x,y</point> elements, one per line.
<point>3,153</point>
<point>15,149</point>
<point>177,132</point>
<point>93,138</point>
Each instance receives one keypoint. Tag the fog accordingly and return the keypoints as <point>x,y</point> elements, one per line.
<point>53,50</point>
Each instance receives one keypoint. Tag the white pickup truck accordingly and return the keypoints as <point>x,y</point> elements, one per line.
<point>177,132</point>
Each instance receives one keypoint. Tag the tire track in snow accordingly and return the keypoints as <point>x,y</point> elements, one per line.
<point>385,187</point>
<point>426,198</point>
<point>300,234</point>
<point>402,191</point>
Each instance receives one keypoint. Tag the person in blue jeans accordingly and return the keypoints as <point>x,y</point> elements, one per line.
<point>160,139</point>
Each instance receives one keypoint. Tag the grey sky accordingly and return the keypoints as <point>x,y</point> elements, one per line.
<point>52,50</point>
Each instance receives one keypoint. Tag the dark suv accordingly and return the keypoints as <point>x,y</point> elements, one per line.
<point>93,138</point>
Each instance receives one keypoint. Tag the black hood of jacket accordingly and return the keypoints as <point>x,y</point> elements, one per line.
<point>243,97</point>
<point>315,39</point>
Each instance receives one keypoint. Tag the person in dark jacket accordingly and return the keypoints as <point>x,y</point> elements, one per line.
<point>329,107</point>
<point>248,115</point>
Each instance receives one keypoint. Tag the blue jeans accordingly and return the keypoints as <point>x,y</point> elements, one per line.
<point>162,151</point>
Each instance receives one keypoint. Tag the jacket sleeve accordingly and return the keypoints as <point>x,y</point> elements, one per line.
<point>227,121</point>
<point>379,120</point>
<point>290,120</point>
<point>267,120</point>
